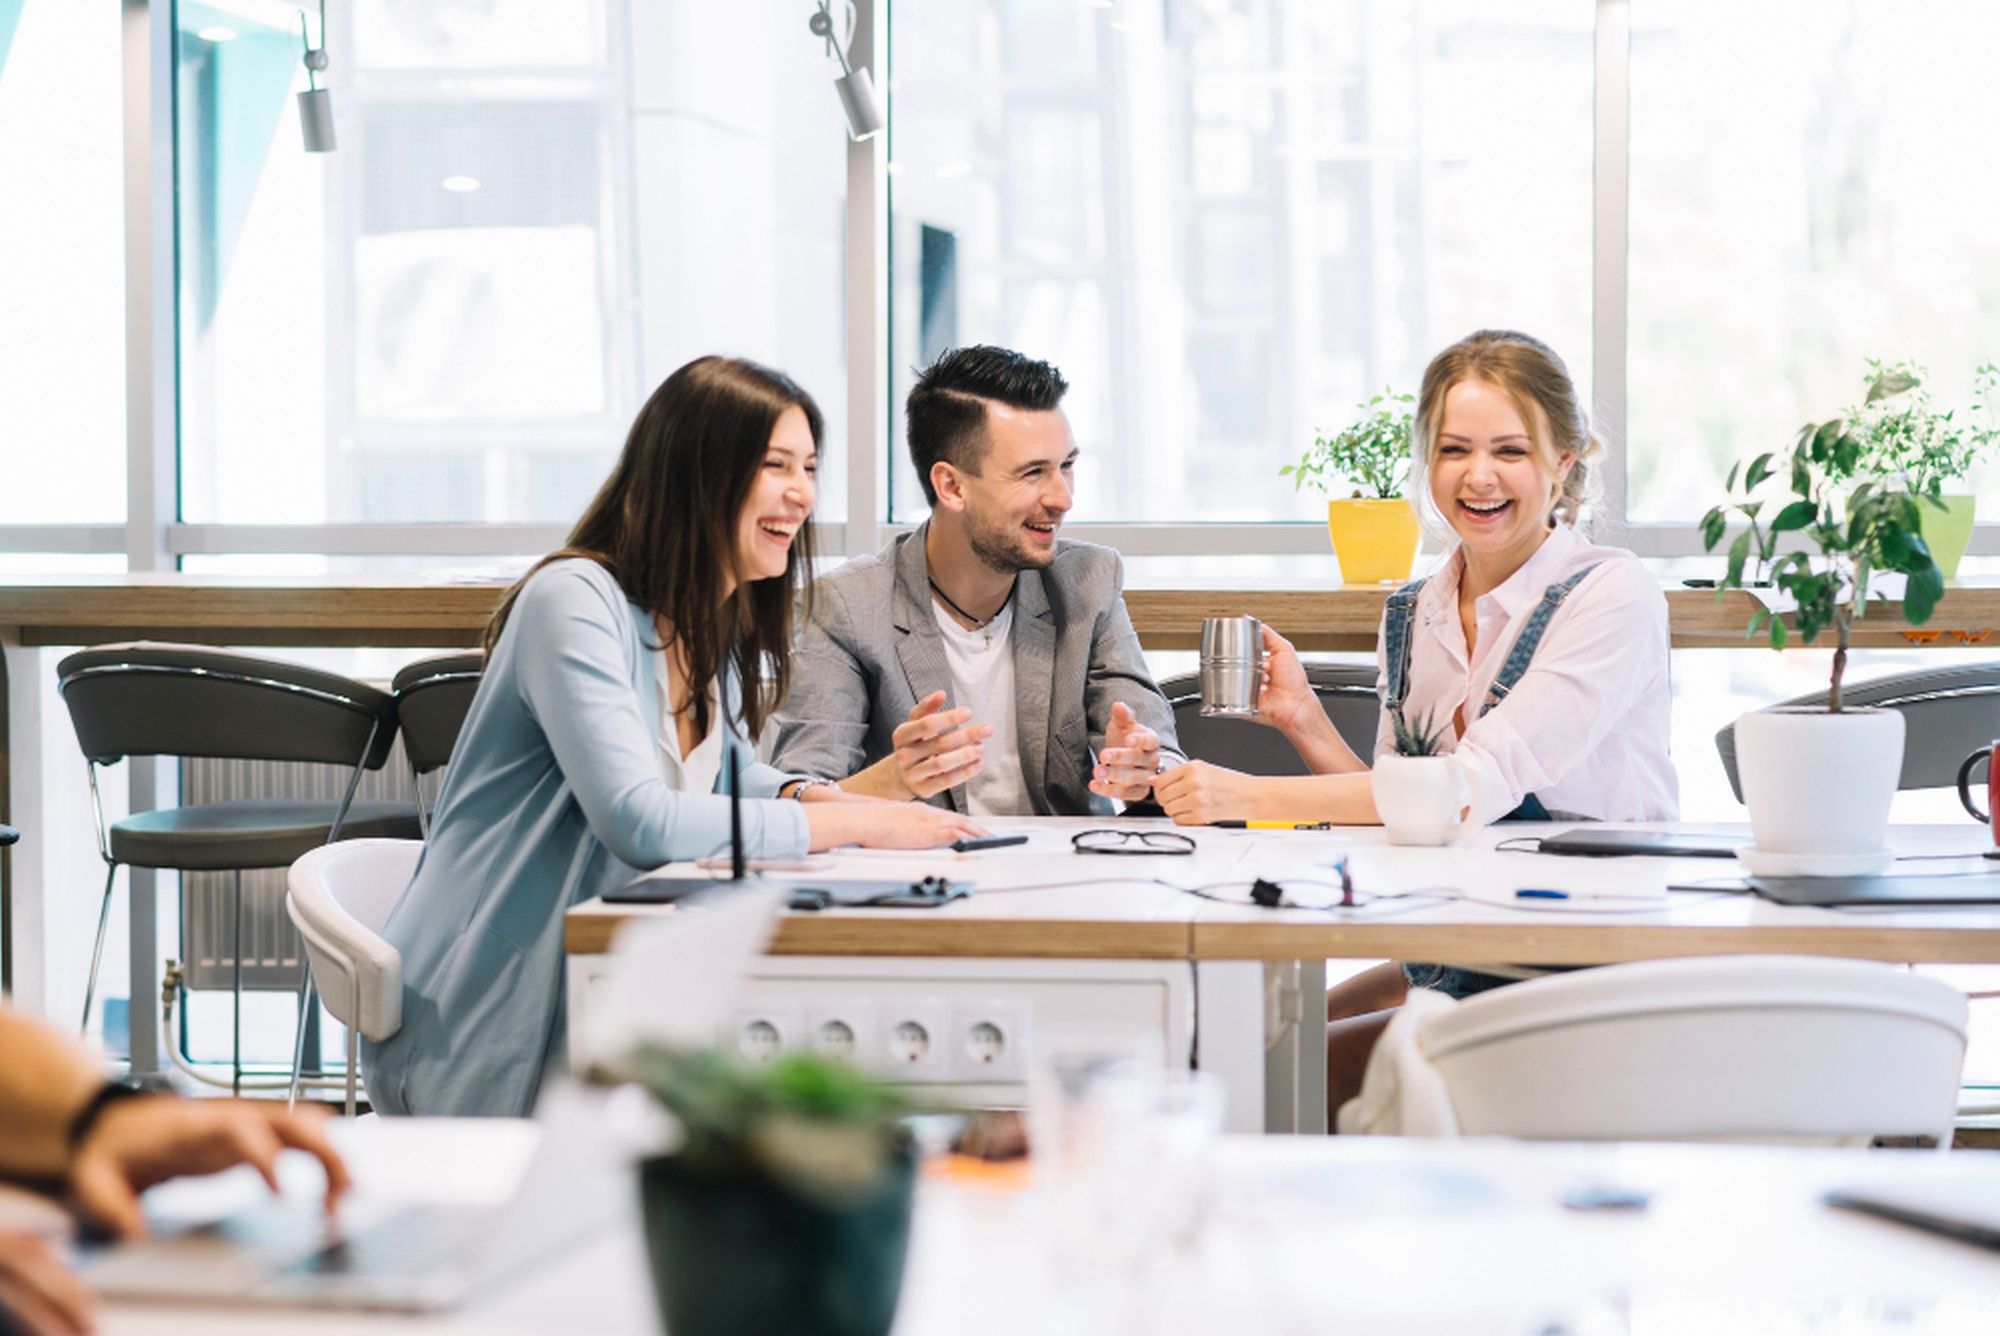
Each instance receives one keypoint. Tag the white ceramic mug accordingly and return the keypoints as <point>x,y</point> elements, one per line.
<point>1423,799</point>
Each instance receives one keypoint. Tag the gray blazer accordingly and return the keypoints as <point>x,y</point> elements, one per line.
<point>872,650</point>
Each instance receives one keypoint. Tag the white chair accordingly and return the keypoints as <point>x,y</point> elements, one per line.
<point>339,896</point>
<point>1730,1048</point>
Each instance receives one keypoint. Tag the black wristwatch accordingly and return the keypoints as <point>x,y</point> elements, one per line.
<point>111,1092</point>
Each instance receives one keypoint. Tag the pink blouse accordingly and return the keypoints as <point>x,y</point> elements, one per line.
<point>1586,728</point>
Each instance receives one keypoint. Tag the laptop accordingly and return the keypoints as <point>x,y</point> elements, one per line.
<point>1622,842</point>
<point>1961,1205</point>
<point>673,980</point>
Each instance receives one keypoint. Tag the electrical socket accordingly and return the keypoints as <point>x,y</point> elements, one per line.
<point>761,1033</point>
<point>842,1030</point>
<point>914,1043</point>
<point>989,1041</point>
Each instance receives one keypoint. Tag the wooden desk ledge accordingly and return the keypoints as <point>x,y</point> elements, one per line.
<point>588,930</point>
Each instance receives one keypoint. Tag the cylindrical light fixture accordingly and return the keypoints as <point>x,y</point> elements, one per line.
<point>856,89</point>
<point>316,103</point>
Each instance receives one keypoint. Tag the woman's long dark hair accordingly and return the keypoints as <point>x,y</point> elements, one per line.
<point>665,525</point>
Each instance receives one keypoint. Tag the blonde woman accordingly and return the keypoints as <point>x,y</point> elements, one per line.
<point>1543,653</point>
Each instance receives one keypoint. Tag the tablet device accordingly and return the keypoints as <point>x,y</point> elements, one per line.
<point>1617,842</point>
<point>1980,889</point>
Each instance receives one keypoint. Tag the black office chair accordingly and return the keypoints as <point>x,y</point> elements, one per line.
<point>432,698</point>
<point>149,699</point>
<point>1346,692</point>
<point>1947,714</point>
<point>8,835</point>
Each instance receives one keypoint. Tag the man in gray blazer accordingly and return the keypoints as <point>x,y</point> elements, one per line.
<point>980,662</point>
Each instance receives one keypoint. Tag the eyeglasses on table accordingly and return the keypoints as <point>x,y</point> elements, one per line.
<point>1131,842</point>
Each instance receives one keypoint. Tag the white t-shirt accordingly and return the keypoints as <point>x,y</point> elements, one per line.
<point>982,680</point>
<point>697,771</point>
<point>1586,728</point>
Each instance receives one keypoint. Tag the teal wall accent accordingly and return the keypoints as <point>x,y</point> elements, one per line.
<point>232,97</point>
<point>10,19</point>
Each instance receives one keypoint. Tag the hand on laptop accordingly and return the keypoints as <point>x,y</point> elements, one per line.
<point>37,1296</point>
<point>136,1143</point>
<point>1130,760</point>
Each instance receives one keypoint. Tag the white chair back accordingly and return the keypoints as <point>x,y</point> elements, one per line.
<point>1736,1048</point>
<point>339,896</point>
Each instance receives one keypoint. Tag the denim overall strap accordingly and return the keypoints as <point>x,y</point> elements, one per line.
<point>1397,615</point>
<point>1530,639</point>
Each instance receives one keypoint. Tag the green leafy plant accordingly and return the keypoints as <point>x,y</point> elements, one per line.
<point>1423,738</point>
<point>1904,433</point>
<point>1847,521</point>
<point>1371,455</point>
<point>808,1123</point>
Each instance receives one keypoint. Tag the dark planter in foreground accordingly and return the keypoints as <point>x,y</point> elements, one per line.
<point>738,1255</point>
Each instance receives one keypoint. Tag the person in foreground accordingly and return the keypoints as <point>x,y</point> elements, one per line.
<point>1542,655</point>
<point>981,663</point>
<point>620,672</point>
<point>65,1129</point>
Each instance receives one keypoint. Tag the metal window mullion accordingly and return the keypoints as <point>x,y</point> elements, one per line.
<point>867,297</point>
<point>152,417</point>
<point>1610,201</point>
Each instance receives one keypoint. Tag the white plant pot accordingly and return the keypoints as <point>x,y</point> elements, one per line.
<point>1819,783</point>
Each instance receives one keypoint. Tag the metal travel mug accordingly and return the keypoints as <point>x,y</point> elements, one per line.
<point>1232,648</point>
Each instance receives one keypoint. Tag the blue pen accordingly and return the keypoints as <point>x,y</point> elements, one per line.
<point>1539,893</point>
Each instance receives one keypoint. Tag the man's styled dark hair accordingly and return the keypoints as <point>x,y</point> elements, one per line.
<point>947,407</point>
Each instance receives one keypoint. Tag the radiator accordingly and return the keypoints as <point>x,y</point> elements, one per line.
<point>271,952</point>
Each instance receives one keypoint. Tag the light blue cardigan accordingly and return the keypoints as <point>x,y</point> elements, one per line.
<point>554,794</point>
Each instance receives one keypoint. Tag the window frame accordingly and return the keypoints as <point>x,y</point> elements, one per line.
<point>154,537</point>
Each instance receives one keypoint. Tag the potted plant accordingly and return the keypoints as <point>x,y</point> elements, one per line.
<point>1374,530</point>
<point>1422,792</point>
<point>1932,450</point>
<point>785,1204</point>
<point>1819,781</point>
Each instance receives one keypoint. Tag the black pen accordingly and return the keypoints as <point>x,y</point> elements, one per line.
<point>1272,825</point>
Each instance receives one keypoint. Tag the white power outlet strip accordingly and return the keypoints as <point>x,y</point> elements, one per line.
<point>761,1033</point>
<point>989,1041</point>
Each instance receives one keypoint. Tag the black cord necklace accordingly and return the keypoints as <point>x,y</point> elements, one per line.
<point>978,623</point>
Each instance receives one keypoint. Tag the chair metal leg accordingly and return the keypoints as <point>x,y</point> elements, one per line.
<point>353,1065</point>
<point>308,998</point>
<point>236,1040</point>
<point>97,952</point>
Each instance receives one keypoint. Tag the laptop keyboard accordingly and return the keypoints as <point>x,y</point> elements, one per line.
<point>413,1242</point>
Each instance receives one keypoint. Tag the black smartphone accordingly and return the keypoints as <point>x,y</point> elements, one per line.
<point>987,842</point>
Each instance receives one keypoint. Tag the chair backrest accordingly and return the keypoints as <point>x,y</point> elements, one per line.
<point>1346,692</point>
<point>148,699</point>
<point>432,697</point>
<point>1734,1048</point>
<point>1947,713</point>
<point>338,897</point>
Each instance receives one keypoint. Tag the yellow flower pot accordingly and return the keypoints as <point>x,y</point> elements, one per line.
<point>1375,540</point>
<point>1947,532</point>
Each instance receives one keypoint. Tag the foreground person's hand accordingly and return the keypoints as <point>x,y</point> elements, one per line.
<point>137,1143</point>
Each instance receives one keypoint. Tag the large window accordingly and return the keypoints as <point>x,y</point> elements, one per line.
<point>535,212</point>
<point>1228,223</point>
<point>1809,189</point>
<point>62,277</point>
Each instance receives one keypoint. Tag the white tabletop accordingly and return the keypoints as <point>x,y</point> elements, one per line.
<point>1458,904</point>
<point>1297,1235</point>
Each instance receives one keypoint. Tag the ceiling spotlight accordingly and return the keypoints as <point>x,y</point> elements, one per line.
<point>316,103</point>
<point>460,185</point>
<point>856,89</point>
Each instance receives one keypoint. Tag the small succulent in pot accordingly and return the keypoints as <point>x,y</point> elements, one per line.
<point>1422,738</point>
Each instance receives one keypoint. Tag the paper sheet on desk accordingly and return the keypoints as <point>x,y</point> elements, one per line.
<point>1881,585</point>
